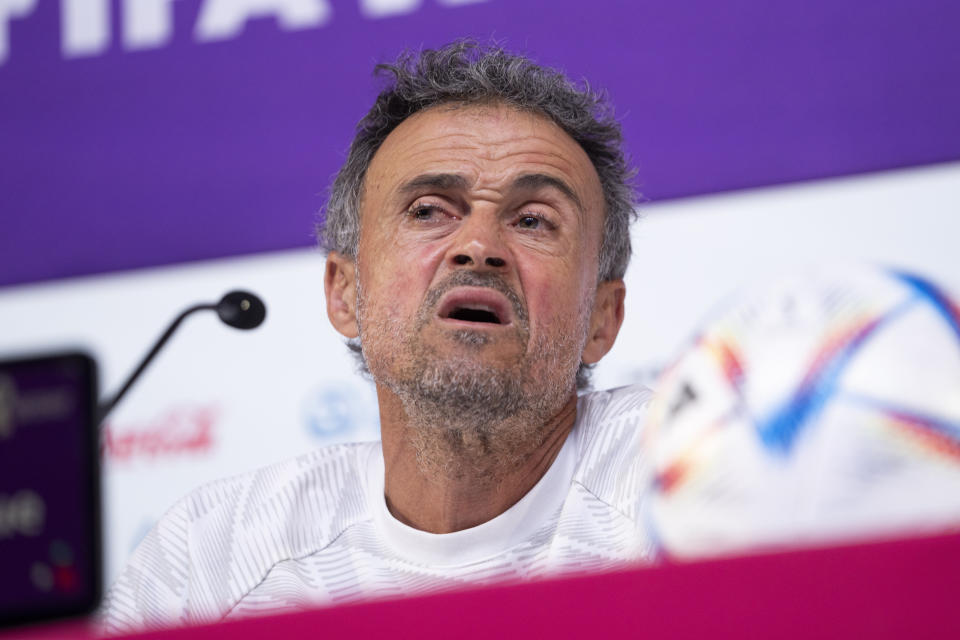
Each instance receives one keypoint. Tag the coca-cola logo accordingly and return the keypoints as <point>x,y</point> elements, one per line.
<point>177,431</point>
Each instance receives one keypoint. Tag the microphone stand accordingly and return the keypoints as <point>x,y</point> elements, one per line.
<point>239,309</point>
<point>107,406</point>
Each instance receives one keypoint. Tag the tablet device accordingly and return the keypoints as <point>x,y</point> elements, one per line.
<point>50,547</point>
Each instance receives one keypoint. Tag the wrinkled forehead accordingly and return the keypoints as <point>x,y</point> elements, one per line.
<point>491,141</point>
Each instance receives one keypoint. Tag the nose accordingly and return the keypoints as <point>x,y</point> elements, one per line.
<point>479,244</point>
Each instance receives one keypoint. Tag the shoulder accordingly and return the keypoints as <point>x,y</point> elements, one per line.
<point>611,461</point>
<point>219,541</point>
<point>610,416</point>
<point>309,488</point>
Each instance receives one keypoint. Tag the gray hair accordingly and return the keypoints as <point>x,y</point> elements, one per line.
<point>464,72</point>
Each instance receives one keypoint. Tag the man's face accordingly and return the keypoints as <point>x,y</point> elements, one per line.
<point>477,262</point>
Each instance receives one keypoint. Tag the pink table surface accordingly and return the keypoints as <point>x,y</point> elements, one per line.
<point>906,588</point>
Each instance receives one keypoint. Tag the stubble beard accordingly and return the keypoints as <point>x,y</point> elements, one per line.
<point>466,416</point>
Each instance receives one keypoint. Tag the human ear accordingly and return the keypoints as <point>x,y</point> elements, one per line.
<point>340,288</point>
<point>605,320</point>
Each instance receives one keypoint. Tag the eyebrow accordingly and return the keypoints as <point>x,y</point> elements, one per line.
<point>440,181</point>
<point>453,181</point>
<point>533,181</point>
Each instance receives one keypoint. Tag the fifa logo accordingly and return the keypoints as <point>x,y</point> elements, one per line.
<point>8,406</point>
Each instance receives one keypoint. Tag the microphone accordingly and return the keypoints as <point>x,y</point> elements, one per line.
<point>239,309</point>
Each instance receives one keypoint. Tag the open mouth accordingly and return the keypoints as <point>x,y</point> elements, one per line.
<point>476,305</point>
<point>470,314</point>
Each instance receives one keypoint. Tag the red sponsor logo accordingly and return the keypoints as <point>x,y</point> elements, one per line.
<point>185,430</point>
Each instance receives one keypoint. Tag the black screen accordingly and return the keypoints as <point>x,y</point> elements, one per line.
<point>50,550</point>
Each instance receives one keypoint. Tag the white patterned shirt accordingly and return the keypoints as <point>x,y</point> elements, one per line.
<point>316,530</point>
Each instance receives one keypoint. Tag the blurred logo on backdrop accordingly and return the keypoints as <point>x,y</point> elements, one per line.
<point>87,26</point>
<point>176,431</point>
<point>340,411</point>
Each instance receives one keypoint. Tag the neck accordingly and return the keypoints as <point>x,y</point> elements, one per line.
<point>448,477</point>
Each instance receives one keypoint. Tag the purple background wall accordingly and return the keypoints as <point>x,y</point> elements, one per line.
<point>197,150</point>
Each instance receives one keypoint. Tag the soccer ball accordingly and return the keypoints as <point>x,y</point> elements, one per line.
<point>822,408</point>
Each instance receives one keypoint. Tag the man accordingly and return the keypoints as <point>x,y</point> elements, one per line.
<point>477,237</point>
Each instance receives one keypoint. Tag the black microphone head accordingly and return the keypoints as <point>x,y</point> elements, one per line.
<point>241,309</point>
